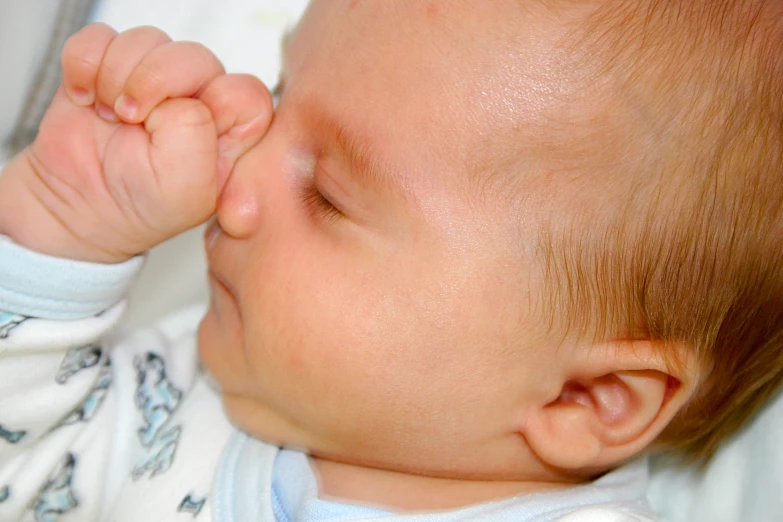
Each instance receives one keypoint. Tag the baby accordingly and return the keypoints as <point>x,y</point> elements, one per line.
<point>482,257</point>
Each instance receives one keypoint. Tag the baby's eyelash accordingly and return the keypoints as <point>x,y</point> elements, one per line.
<point>320,207</point>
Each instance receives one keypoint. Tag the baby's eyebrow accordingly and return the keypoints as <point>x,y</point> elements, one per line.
<point>366,164</point>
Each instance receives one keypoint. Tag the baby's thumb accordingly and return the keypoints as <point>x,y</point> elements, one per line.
<point>242,108</point>
<point>183,153</point>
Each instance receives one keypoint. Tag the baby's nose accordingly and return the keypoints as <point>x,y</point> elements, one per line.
<point>238,209</point>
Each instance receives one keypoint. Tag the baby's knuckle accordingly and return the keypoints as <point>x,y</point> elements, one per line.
<point>76,55</point>
<point>206,58</point>
<point>71,44</point>
<point>255,85</point>
<point>86,46</point>
<point>149,33</point>
<point>83,66</point>
<point>147,81</point>
<point>110,76</point>
<point>181,112</point>
<point>196,113</point>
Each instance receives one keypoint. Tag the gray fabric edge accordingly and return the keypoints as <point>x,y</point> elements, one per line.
<point>71,16</point>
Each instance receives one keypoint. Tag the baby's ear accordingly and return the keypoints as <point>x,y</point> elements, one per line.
<point>614,401</point>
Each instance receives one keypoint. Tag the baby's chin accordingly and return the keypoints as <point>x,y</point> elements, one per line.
<point>265,423</point>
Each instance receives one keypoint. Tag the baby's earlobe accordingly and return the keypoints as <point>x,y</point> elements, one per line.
<point>557,436</point>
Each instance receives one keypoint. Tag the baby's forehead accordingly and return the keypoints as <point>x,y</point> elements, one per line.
<point>455,66</point>
<point>498,87</point>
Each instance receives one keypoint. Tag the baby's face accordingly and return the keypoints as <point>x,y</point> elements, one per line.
<point>371,289</point>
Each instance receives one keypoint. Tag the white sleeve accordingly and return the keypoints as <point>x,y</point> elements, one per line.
<point>57,396</point>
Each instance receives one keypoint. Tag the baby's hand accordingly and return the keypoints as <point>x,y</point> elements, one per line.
<point>135,148</point>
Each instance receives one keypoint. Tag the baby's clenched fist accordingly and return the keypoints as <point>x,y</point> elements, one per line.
<point>134,149</point>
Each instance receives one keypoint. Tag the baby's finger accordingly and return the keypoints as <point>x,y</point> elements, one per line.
<point>123,56</point>
<point>243,110</point>
<point>238,99</point>
<point>184,153</point>
<point>173,70</point>
<point>81,60</point>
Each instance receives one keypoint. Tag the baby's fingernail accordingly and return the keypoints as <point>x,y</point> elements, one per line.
<point>106,112</point>
<point>81,96</point>
<point>126,107</point>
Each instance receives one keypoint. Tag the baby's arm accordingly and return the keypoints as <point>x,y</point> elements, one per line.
<point>77,208</point>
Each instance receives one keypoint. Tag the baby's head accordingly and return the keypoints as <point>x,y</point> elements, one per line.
<point>508,240</point>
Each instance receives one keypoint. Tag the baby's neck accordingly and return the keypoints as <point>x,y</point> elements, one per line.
<point>404,492</point>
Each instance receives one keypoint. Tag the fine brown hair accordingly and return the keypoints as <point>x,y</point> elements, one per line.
<point>691,251</point>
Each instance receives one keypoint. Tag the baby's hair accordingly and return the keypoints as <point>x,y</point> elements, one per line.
<point>693,255</point>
